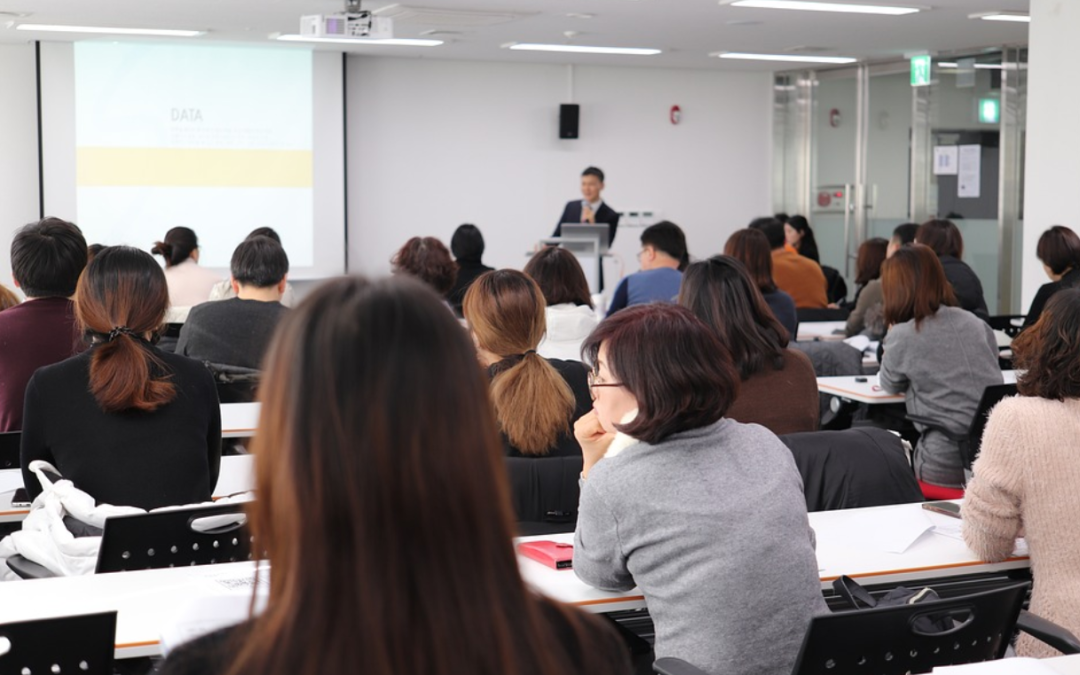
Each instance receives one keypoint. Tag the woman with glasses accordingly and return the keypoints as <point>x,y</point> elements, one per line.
<point>536,399</point>
<point>705,515</point>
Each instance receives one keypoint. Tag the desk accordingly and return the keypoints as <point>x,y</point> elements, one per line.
<point>820,331</point>
<point>932,556</point>
<point>870,391</point>
<point>239,420</point>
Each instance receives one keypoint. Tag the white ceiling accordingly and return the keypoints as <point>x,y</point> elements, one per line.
<point>687,30</point>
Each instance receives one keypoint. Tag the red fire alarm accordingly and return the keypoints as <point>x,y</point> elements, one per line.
<point>834,118</point>
<point>676,114</point>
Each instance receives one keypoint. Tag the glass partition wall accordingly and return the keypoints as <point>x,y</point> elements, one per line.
<point>860,150</point>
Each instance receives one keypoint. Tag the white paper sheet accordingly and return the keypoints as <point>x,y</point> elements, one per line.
<point>946,160</point>
<point>1017,666</point>
<point>889,530</point>
<point>969,174</point>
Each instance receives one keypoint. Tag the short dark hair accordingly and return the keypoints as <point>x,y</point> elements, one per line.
<point>773,229</point>
<point>868,260</point>
<point>559,275</point>
<point>673,394</point>
<point>1059,249</point>
<point>1047,354</point>
<point>942,236</point>
<point>593,171</point>
<point>178,245</point>
<point>265,232</point>
<point>913,285</point>
<point>467,243</point>
<point>668,237</point>
<point>47,258</point>
<point>427,259</point>
<point>905,233</point>
<point>260,262</point>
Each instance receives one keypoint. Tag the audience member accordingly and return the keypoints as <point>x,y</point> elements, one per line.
<point>237,331</point>
<point>902,235</point>
<point>799,277</point>
<point>704,515</point>
<point>799,236</point>
<point>92,250</point>
<point>570,315</point>
<point>1026,473</point>
<point>536,400</point>
<point>662,258</point>
<point>141,427</point>
<point>8,298</point>
<point>376,473</point>
<point>427,259</point>
<point>866,310</point>
<point>751,248</point>
<point>467,245</point>
<point>940,356</point>
<point>944,238</point>
<point>189,284</point>
<point>223,290</point>
<point>779,388</point>
<point>47,258</point>
<point>1059,252</point>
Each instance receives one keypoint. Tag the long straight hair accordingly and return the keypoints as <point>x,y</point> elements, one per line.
<point>751,248</point>
<point>533,403</point>
<point>120,300</point>
<point>383,500</point>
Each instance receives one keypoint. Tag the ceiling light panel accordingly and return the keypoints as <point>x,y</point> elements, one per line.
<point>800,5</point>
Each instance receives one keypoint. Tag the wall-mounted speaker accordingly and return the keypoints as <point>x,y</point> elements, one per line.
<point>569,113</point>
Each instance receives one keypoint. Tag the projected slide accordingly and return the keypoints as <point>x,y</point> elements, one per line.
<point>218,139</point>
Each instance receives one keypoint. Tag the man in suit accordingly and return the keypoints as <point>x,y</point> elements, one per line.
<point>591,208</point>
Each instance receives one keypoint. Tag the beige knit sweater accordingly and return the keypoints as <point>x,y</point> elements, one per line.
<point>1027,481</point>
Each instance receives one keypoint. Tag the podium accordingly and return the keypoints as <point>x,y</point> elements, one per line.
<point>589,244</point>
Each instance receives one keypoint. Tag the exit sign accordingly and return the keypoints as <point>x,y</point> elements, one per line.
<point>920,70</point>
<point>989,110</point>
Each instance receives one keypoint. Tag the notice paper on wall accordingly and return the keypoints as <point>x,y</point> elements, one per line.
<point>946,160</point>
<point>969,171</point>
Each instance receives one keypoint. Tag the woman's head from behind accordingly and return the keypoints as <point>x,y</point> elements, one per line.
<point>1059,251</point>
<point>872,253</point>
<point>1047,355</point>
<point>180,243</point>
<point>8,299</point>
<point>751,248</point>
<point>797,234</point>
<point>427,259</point>
<point>913,285</point>
<point>719,291</point>
<point>668,363</point>
<point>560,277</point>
<point>942,236</point>
<point>120,305</point>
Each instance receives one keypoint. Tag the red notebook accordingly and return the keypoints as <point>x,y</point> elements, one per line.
<point>551,553</point>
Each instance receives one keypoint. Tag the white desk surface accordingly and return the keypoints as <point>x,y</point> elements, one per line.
<point>238,420</point>
<point>870,390</point>
<point>932,556</point>
<point>814,331</point>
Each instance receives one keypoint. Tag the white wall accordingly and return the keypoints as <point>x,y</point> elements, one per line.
<point>433,144</point>
<point>1052,163</point>
<point>19,157</point>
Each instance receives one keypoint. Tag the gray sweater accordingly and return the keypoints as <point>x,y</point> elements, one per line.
<point>943,369</point>
<point>711,525</point>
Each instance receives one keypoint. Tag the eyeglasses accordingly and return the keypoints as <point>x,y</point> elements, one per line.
<point>593,383</point>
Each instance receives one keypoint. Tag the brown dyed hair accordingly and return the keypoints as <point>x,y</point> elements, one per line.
<point>8,298</point>
<point>942,236</point>
<point>751,248</point>
<point>1047,354</point>
<point>1059,249</point>
<point>121,299</point>
<point>383,501</point>
<point>913,285</point>
<point>427,259</point>
<point>868,261</point>
<point>559,275</point>
<point>673,364</point>
<point>533,403</point>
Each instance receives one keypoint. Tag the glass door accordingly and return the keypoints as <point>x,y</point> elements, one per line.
<point>833,208</point>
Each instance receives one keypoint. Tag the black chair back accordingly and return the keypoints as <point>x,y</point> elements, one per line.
<point>234,383</point>
<point>835,286</point>
<point>887,641</point>
<point>1004,323</point>
<point>202,535</point>
<point>992,395</point>
<point>169,337</point>
<point>9,449</point>
<point>545,493</point>
<point>71,644</point>
<point>810,314</point>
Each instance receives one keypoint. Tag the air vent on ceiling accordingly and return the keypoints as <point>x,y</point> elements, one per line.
<point>450,18</point>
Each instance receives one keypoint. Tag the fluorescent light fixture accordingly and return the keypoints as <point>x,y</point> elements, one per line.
<point>581,49</point>
<point>157,32</point>
<point>784,57</point>
<point>947,64</point>
<point>397,42</point>
<point>1002,16</point>
<point>799,5</point>
<point>989,66</point>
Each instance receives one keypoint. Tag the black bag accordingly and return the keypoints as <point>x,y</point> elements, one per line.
<point>859,598</point>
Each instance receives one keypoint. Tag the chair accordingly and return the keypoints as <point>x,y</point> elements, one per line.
<point>886,641</point>
<point>545,493</point>
<point>835,286</point>
<point>970,442</point>
<point>1004,323</point>
<point>235,384</point>
<point>9,449</point>
<point>72,644</point>
<point>169,337</point>
<point>806,314</point>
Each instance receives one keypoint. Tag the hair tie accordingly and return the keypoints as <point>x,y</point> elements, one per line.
<point>530,351</point>
<point>121,330</point>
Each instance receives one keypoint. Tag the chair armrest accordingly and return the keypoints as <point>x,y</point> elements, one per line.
<point>672,666</point>
<point>936,426</point>
<point>1049,632</point>
<point>28,569</point>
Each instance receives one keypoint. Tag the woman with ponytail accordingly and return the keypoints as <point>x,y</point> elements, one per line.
<point>128,423</point>
<point>536,400</point>
<point>189,284</point>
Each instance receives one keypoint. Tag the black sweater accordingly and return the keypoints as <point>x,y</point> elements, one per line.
<point>576,376</point>
<point>167,457</point>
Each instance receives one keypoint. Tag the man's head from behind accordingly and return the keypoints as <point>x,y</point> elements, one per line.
<point>47,258</point>
<point>663,245</point>
<point>259,265</point>
<point>903,235</point>
<point>592,182</point>
<point>773,230</point>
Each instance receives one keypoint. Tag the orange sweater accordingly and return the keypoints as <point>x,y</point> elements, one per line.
<point>801,278</point>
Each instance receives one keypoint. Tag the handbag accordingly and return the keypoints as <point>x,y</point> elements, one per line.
<point>858,598</point>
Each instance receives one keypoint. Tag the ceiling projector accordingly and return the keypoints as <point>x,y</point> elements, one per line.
<point>352,23</point>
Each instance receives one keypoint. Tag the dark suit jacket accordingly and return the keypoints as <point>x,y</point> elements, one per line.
<point>605,214</point>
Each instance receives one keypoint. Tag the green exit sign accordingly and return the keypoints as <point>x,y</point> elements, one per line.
<point>920,70</point>
<point>989,110</point>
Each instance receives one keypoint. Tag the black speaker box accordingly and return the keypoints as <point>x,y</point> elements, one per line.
<point>569,113</point>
